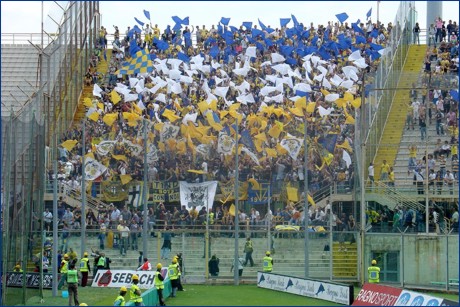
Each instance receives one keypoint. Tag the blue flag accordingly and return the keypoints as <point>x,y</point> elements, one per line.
<point>329,142</point>
<point>246,139</point>
<point>182,56</point>
<point>133,48</point>
<point>294,20</point>
<point>360,39</point>
<point>262,26</point>
<point>286,50</point>
<point>139,22</point>
<point>257,32</point>
<point>177,27</point>
<point>342,17</point>
<point>161,44</point>
<point>368,15</point>
<point>356,28</point>
<point>176,19</point>
<point>454,95</point>
<point>214,52</point>
<point>233,29</point>
<point>284,21</point>
<point>147,14</point>
<point>224,21</point>
<point>247,25</point>
<point>185,21</point>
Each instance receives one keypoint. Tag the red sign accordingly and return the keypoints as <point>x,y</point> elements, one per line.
<point>377,295</point>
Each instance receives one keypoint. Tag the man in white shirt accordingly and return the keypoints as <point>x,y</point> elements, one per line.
<point>370,171</point>
<point>449,181</point>
<point>124,235</point>
<point>48,219</point>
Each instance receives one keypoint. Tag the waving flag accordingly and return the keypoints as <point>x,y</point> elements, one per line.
<point>139,22</point>
<point>224,21</point>
<point>225,143</point>
<point>284,21</point>
<point>368,15</point>
<point>147,14</point>
<point>292,145</point>
<point>93,169</point>
<point>247,25</point>
<point>342,17</point>
<point>140,63</point>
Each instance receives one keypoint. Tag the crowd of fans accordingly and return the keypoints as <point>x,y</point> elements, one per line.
<point>266,115</point>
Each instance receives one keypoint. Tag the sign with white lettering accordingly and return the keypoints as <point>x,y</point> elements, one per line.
<point>332,292</point>
<point>377,295</point>
<point>118,278</point>
<point>32,280</point>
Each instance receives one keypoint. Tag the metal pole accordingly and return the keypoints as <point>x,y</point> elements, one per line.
<point>144,195</point>
<point>235,275</point>
<point>305,206</point>
<point>83,191</point>
<point>378,9</point>
<point>206,238</point>
<point>362,175</point>
<point>269,222</point>
<point>55,219</point>
<point>427,201</point>
<point>331,242</point>
<point>402,259</point>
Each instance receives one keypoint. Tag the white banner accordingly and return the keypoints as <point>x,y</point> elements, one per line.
<point>336,293</point>
<point>119,278</point>
<point>197,194</point>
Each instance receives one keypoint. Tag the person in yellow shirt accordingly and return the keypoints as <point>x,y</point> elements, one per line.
<point>384,171</point>
<point>391,177</point>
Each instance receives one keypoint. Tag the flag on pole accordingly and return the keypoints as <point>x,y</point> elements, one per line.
<point>147,14</point>
<point>368,15</point>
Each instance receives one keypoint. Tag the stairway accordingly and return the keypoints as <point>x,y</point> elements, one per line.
<point>345,262</point>
<point>87,91</point>
<point>395,122</point>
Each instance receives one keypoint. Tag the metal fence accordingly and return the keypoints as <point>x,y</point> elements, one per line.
<point>26,134</point>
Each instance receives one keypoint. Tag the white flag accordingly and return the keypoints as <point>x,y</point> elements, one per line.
<point>347,158</point>
<point>104,147</point>
<point>225,143</point>
<point>197,194</point>
<point>292,145</point>
<point>93,169</point>
<point>168,131</point>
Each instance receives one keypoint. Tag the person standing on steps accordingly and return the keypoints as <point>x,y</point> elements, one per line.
<point>268,262</point>
<point>248,249</point>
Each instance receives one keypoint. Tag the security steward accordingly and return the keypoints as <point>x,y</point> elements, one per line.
<point>84,269</point>
<point>268,262</point>
<point>63,268</point>
<point>173,271</point>
<point>159,284</point>
<point>72,284</point>
<point>101,262</point>
<point>120,300</point>
<point>373,273</point>
<point>135,292</point>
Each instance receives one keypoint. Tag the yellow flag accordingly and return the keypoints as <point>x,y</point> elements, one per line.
<point>274,131</point>
<point>301,103</point>
<point>271,152</point>
<point>231,210</point>
<point>234,107</point>
<point>292,194</point>
<point>100,105</point>
<point>347,96</point>
<point>129,116</point>
<point>349,120</point>
<point>328,158</point>
<point>170,115</point>
<point>115,97</point>
<point>325,93</point>
<point>110,118</point>
<point>158,126</point>
<point>89,155</point>
<point>311,107</point>
<point>87,102</point>
<point>94,116</point>
<point>69,144</point>
<point>356,103</point>
<point>171,144</point>
<point>181,147</point>
<point>261,137</point>
<point>212,123</point>
<point>136,108</point>
<point>345,145</point>
<point>213,105</point>
<point>161,146</point>
<point>255,184</point>
<point>310,200</point>
<point>296,112</point>
<point>125,179</point>
<point>120,157</point>
<point>203,106</point>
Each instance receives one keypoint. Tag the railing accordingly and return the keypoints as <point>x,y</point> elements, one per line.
<point>26,38</point>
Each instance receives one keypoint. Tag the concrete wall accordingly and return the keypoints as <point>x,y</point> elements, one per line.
<point>423,258</point>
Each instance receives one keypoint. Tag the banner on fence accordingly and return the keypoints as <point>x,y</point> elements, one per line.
<point>378,295</point>
<point>165,191</point>
<point>332,292</point>
<point>197,194</point>
<point>118,278</point>
<point>32,280</point>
